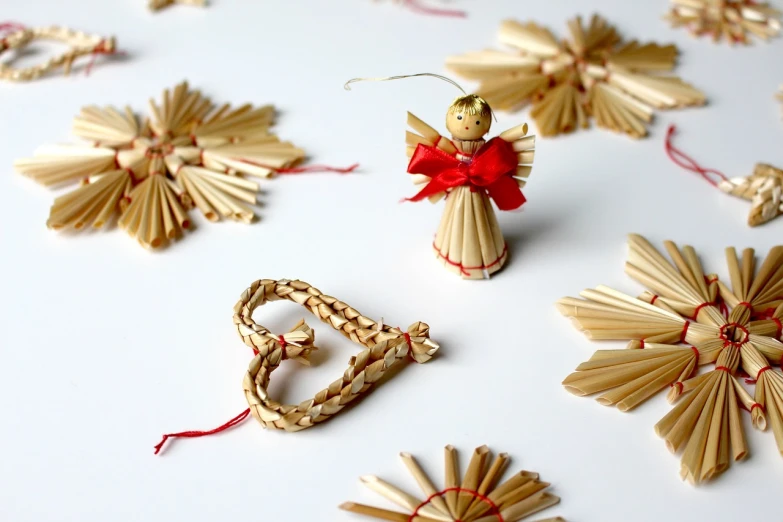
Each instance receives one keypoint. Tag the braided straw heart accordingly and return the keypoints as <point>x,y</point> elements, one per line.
<point>81,44</point>
<point>384,347</point>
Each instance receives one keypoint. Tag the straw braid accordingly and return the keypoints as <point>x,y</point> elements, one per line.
<point>384,347</point>
<point>81,44</point>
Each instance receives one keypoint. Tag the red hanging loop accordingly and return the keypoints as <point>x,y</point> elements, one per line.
<point>686,162</point>
<point>194,434</point>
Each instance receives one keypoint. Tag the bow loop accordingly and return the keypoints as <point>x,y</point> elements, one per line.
<point>491,169</point>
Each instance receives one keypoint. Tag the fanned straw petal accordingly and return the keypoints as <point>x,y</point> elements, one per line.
<point>733,21</point>
<point>593,74</point>
<point>737,326</point>
<point>481,495</point>
<point>188,153</point>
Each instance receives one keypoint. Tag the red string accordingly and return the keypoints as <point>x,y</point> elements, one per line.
<point>696,351</point>
<point>756,405</point>
<point>722,369</point>
<point>101,48</point>
<point>194,434</point>
<point>684,331</point>
<point>698,309</point>
<point>686,162</point>
<point>415,6</point>
<point>487,500</point>
<point>641,344</point>
<point>727,341</point>
<point>464,269</point>
<point>745,304</point>
<point>758,376</point>
<point>654,298</point>
<point>779,332</point>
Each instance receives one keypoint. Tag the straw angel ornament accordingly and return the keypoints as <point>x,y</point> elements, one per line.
<point>470,173</point>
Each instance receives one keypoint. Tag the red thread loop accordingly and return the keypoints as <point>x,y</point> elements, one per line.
<point>757,405</point>
<point>464,269</point>
<point>494,509</point>
<point>194,434</point>
<point>745,304</point>
<point>722,369</point>
<point>686,162</point>
<point>415,6</point>
<point>684,331</point>
<point>696,351</point>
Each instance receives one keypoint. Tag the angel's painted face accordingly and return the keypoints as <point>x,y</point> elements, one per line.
<point>463,126</point>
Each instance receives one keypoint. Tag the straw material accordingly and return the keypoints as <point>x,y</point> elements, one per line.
<point>188,154</point>
<point>469,241</point>
<point>594,74</point>
<point>764,190</point>
<point>384,347</point>
<point>157,5</point>
<point>479,496</point>
<point>732,21</point>
<point>737,326</point>
<point>80,44</point>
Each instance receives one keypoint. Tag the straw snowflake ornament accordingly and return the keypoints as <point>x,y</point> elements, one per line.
<point>593,74</point>
<point>687,320</point>
<point>478,497</point>
<point>732,21</point>
<point>151,173</point>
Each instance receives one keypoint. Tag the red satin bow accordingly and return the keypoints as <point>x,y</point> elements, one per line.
<point>491,169</point>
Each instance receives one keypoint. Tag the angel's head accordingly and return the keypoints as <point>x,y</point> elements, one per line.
<point>469,117</point>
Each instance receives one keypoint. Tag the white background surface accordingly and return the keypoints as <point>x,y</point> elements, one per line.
<point>105,346</point>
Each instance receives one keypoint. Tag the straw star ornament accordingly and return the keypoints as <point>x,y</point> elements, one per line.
<point>594,74</point>
<point>732,21</point>
<point>687,320</point>
<point>479,496</point>
<point>188,153</point>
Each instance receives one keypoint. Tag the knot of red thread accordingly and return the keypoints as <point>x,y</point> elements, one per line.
<point>686,162</point>
<point>283,344</point>
<point>684,331</point>
<point>194,434</point>
<point>494,509</point>
<point>758,375</point>
<point>416,7</point>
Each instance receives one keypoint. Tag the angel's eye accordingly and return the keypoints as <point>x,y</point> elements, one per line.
<point>459,117</point>
<point>478,123</point>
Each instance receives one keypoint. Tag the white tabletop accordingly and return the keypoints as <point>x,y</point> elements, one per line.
<point>105,346</point>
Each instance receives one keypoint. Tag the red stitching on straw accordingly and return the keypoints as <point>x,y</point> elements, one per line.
<point>686,162</point>
<point>194,434</point>
<point>464,269</point>
<point>654,298</point>
<point>723,369</point>
<point>684,331</point>
<point>487,500</point>
<point>698,308</point>
<point>101,48</point>
<point>727,341</point>
<point>416,7</point>
<point>758,375</point>
<point>745,304</point>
